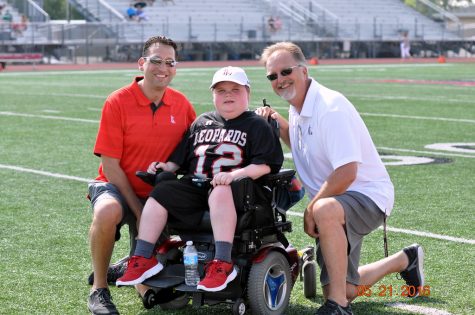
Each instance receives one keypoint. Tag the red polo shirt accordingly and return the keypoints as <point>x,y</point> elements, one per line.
<point>131,132</point>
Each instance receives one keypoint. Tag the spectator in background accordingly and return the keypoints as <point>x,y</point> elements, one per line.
<point>274,23</point>
<point>2,6</point>
<point>7,17</point>
<point>131,13</point>
<point>141,16</point>
<point>167,1</point>
<point>271,24</point>
<point>19,28</point>
<point>405,45</point>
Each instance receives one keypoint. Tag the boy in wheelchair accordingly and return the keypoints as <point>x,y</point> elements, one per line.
<point>223,146</point>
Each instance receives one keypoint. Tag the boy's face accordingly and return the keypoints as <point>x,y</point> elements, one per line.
<point>230,99</point>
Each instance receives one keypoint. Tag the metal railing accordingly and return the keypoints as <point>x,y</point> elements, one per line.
<point>196,31</point>
<point>31,9</point>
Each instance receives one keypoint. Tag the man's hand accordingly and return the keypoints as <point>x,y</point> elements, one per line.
<point>309,225</point>
<point>265,111</point>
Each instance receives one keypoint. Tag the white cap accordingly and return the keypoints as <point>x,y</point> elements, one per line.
<point>231,74</point>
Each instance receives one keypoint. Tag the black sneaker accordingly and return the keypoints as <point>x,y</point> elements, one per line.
<point>99,302</point>
<point>414,273</point>
<point>332,308</point>
<point>114,272</point>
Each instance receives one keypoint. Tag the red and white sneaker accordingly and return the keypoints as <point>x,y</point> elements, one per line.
<point>139,269</point>
<point>218,274</point>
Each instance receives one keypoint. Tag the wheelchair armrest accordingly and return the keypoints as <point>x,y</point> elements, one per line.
<point>284,177</point>
<point>154,179</point>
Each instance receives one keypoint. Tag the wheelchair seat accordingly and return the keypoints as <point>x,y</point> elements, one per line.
<point>258,214</point>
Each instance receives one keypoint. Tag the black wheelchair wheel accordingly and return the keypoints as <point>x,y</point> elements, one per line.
<point>269,285</point>
<point>239,307</point>
<point>309,279</point>
<point>148,300</point>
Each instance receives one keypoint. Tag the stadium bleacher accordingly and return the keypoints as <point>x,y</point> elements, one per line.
<point>224,29</point>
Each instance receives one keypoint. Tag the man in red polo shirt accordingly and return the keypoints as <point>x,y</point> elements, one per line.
<point>141,123</point>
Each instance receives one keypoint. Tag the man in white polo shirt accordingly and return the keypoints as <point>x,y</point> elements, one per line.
<point>350,190</point>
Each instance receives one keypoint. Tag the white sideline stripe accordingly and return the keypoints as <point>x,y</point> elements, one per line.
<point>49,117</point>
<point>471,121</point>
<point>430,235</point>
<point>418,233</point>
<point>427,152</point>
<point>29,170</point>
<point>418,309</point>
<point>299,214</point>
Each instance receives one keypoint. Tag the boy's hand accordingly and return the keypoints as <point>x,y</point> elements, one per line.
<point>155,166</point>
<point>222,178</point>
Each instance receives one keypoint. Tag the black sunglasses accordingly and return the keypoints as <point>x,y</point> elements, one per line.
<point>284,73</point>
<point>158,61</point>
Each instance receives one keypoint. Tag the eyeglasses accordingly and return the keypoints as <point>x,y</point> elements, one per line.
<point>284,73</point>
<point>158,61</point>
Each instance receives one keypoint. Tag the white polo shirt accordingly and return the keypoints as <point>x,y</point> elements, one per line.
<point>329,133</point>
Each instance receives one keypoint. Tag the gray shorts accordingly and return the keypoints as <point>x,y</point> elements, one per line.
<point>362,216</point>
<point>99,190</point>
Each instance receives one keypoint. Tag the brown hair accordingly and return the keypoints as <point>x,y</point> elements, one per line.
<point>287,46</point>
<point>158,39</point>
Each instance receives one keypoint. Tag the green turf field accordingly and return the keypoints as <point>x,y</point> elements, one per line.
<point>48,125</point>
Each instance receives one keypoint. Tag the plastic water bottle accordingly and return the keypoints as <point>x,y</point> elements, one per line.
<point>190,259</point>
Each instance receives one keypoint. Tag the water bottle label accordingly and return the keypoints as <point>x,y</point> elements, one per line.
<point>191,259</point>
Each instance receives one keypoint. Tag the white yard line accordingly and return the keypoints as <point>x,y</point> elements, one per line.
<point>49,117</point>
<point>470,121</point>
<point>33,171</point>
<point>293,213</point>
<point>412,232</point>
<point>103,97</point>
<point>427,152</point>
<point>418,309</point>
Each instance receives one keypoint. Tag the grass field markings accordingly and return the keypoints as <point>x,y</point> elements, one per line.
<point>431,235</point>
<point>418,309</point>
<point>103,97</point>
<point>33,171</point>
<point>94,109</point>
<point>293,213</point>
<point>409,98</point>
<point>426,152</point>
<point>54,73</point>
<point>470,121</point>
<point>412,232</point>
<point>49,117</point>
<point>51,111</point>
<point>133,71</point>
<point>458,120</point>
<point>461,147</point>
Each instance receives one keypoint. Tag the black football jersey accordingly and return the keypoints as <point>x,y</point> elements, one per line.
<point>214,145</point>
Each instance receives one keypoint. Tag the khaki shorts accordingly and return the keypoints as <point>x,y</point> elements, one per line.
<point>362,216</point>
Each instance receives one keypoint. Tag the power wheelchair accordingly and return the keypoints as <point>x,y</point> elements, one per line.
<point>268,265</point>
